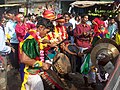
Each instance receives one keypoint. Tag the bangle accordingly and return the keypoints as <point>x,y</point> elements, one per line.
<point>38,64</point>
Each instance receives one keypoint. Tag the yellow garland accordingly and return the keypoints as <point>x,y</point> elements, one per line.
<point>25,78</point>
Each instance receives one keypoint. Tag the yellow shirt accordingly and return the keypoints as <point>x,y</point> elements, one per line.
<point>117,39</point>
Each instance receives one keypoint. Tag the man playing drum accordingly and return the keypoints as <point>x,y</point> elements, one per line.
<point>58,35</point>
<point>32,57</point>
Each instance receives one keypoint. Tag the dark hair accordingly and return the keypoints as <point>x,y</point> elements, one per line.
<point>72,14</point>
<point>45,22</point>
<point>84,15</point>
<point>113,18</point>
<point>76,17</point>
<point>66,13</point>
<point>70,26</point>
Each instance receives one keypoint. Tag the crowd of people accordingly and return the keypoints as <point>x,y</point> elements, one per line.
<point>33,41</point>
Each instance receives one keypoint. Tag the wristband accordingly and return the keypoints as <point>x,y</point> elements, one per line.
<point>38,64</point>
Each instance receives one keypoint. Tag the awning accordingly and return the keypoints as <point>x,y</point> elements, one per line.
<point>83,4</point>
<point>9,5</point>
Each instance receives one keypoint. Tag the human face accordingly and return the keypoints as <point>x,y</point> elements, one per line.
<point>42,31</point>
<point>66,17</point>
<point>77,18</point>
<point>20,18</point>
<point>85,19</point>
<point>112,21</point>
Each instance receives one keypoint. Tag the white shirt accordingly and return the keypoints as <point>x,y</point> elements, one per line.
<point>72,20</point>
<point>3,47</point>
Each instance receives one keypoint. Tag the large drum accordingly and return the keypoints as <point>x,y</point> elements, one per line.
<point>51,80</point>
<point>61,64</point>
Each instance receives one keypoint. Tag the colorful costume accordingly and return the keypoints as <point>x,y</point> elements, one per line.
<point>61,32</point>
<point>31,47</point>
<point>48,50</point>
<point>98,23</point>
<point>49,15</point>
<point>101,33</point>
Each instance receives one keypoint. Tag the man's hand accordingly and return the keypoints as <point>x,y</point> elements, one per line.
<point>80,54</point>
<point>13,50</point>
<point>53,44</point>
<point>46,66</point>
<point>45,41</point>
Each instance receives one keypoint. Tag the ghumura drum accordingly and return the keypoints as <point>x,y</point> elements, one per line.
<point>62,63</point>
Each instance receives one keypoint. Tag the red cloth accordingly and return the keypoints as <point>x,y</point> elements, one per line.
<point>82,40</point>
<point>48,14</point>
<point>21,29</point>
<point>99,22</point>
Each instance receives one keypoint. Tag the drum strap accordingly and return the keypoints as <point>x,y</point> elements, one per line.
<point>56,60</point>
<point>52,81</point>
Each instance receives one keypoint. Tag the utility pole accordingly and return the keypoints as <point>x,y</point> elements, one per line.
<point>26,5</point>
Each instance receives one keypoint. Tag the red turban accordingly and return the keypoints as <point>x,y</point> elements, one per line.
<point>49,15</point>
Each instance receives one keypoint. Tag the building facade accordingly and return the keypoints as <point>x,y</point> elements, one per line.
<point>30,6</point>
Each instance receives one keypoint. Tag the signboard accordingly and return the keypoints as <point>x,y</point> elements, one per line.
<point>21,9</point>
<point>15,1</point>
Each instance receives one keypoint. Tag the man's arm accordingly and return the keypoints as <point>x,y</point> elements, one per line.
<point>32,62</point>
<point>26,60</point>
